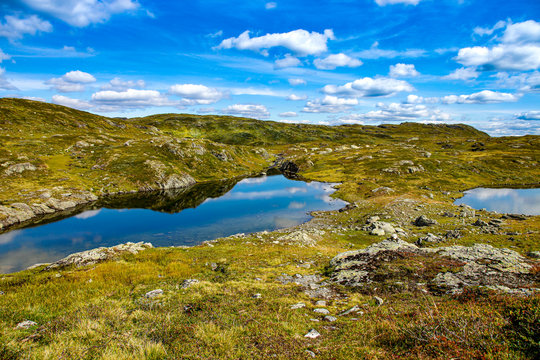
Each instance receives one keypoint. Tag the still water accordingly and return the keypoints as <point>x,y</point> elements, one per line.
<point>511,201</point>
<point>181,217</point>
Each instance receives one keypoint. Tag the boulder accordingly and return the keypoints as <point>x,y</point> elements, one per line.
<point>423,220</point>
<point>19,168</point>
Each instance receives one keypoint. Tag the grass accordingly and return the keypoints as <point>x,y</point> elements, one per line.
<point>100,312</point>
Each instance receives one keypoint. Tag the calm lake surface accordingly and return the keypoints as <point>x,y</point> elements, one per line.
<point>181,217</point>
<point>511,201</point>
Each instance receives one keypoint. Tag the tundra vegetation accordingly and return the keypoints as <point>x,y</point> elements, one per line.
<point>399,272</point>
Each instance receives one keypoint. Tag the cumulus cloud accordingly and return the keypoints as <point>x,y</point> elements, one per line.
<point>287,61</point>
<point>255,111</point>
<point>110,100</point>
<point>4,83</point>
<point>72,81</point>
<point>16,27</point>
<point>524,82</point>
<point>295,82</point>
<point>193,94</point>
<point>369,87</point>
<point>398,112</point>
<point>530,115</point>
<point>4,56</point>
<point>376,53</point>
<point>82,13</point>
<point>393,2</point>
<point>300,41</point>
<point>329,104</point>
<point>288,114</point>
<point>70,102</point>
<point>118,85</point>
<point>336,60</point>
<point>518,50</point>
<point>482,97</point>
<point>462,74</point>
<point>403,70</point>
<point>295,97</point>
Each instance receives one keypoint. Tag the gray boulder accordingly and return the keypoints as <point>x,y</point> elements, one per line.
<point>423,220</point>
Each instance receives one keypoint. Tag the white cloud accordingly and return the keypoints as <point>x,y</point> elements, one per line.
<point>71,81</point>
<point>524,82</point>
<point>70,102</point>
<point>295,97</point>
<point>462,74</point>
<point>301,42</point>
<point>82,13</point>
<point>16,27</point>
<point>482,97</point>
<point>118,85</point>
<point>295,82</point>
<point>403,70</point>
<point>524,32</point>
<point>398,112</point>
<point>287,61</point>
<point>518,50</point>
<point>218,33</point>
<point>530,115</point>
<point>375,53</point>
<point>193,94</point>
<point>393,2</point>
<point>4,56</point>
<point>4,83</point>
<point>369,87</point>
<point>248,110</point>
<point>129,99</point>
<point>288,114</point>
<point>488,31</point>
<point>336,60</point>
<point>329,104</point>
<point>270,5</point>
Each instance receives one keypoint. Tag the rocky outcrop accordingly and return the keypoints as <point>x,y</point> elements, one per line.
<point>458,267</point>
<point>94,256</point>
<point>19,168</point>
<point>166,181</point>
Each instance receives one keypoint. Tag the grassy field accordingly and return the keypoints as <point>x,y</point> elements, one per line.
<point>394,171</point>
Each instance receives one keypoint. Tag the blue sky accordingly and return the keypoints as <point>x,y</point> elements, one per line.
<point>323,62</point>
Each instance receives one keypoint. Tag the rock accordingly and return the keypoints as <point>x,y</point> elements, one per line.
<point>257,296</point>
<point>321,311</point>
<point>330,318</point>
<point>94,256</point>
<point>298,306</point>
<point>354,309</point>
<point>154,293</point>
<point>423,220</point>
<point>428,239</point>
<point>189,282</point>
<point>312,334</point>
<point>310,353</point>
<point>300,238</point>
<point>382,190</point>
<point>453,234</point>
<point>405,162</point>
<point>348,207</point>
<point>19,168</point>
<point>82,144</point>
<point>26,324</point>
<point>480,222</point>
<point>320,303</point>
<point>379,228</point>
<point>514,216</point>
<point>379,301</point>
<point>534,254</point>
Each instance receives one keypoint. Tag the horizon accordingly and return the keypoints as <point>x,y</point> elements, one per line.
<point>346,62</point>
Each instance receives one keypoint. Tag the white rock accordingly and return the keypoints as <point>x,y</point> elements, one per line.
<point>312,334</point>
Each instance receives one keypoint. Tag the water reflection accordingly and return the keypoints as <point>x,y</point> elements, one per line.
<point>516,201</point>
<point>181,217</point>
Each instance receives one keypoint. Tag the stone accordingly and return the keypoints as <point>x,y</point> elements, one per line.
<point>257,296</point>
<point>310,353</point>
<point>480,222</point>
<point>380,228</point>
<point>19,168</point>
<point>298,306</point>
<point>320,303</point>
<point>534,254</point>
<point>354,309</point>
<point>379,301</point>
<point>322,311</point>
<point>189,282</point>
<point>153,294</point>
<point>26,324</point>
<point>330,318</point>
<point>312,334</point>
<point>423,220</point>
<point>94,256</point>
<point>428,239</point>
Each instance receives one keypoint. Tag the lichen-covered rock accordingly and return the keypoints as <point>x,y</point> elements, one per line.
<point>95,256</point>
<point>423,220</point>
<point>301,238</point>
<point>19,168</point>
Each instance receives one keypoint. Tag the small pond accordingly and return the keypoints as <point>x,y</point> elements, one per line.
<point>510,201</point>
<point>180,217</point>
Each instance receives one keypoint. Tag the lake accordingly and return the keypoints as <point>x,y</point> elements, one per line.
<point>510,201</point>
<point>170,218</point>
